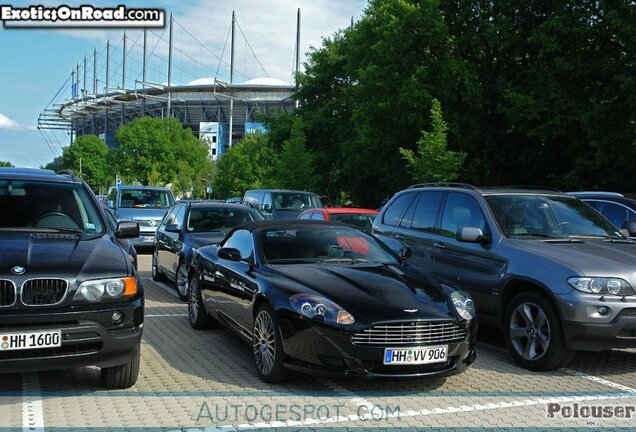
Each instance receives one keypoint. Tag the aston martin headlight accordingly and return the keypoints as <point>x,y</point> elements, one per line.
<point>320,308</point>
<point>99,289</point>
<point>463,304</point>
<point>601,285</point>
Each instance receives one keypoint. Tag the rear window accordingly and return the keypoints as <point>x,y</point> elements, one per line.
<point>295,201</point>
<point>48,205</point>
<point>219,219</point>
<point>145,198</point>
<point>359,220</point>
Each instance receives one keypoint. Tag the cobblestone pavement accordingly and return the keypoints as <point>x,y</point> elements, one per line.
<point>205,380</point>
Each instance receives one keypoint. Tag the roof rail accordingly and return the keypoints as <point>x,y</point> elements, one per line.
<point>595,193</point>
<point>443,184</point>
<point>69,173</point>
<point>532,187</point>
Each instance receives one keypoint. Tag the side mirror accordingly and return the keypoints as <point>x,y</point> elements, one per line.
<point>173,228</point>
<point>267,208</point>
<point>630,226</point>
<point>110,204</point>
<point>230,254</point>
<point>405,253</point>
<point>471,235</point>
<point>127,230</point>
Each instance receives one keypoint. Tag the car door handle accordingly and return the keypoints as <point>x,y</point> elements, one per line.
<point>439,245</point>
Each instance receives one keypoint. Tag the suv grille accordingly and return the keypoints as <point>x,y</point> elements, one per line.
<point>410,333</point>
<point>7,293</point>
<point>148,222</point>
<point>41,292</point>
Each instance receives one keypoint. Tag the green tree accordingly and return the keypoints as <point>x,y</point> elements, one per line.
<point>54,165</point>
<point>294,167</point>
<point>88,157</point>
<point>246,165</point>
<point>160,151</point>
<point>6,164</point>
<point>432,162</point>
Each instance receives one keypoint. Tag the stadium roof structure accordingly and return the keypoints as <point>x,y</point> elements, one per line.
<point>102,100</point>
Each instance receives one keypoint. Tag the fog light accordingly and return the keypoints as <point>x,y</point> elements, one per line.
<point>602,310</point>
<point>117,317</point>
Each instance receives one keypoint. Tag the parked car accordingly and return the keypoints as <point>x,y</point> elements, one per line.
<point>618,209</point>
<point>282,204</point>
<point>69,294</point>
<point>358,217</point>
<point>146,205</point>
<point>549,270</point>
<point>187,226</point>
<point>124,242</point>
<point>305,300</point>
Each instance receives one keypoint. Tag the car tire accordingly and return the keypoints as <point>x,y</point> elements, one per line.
<point>199,318</point>
<point>534,334</point>
<point>157,275</point>
<point>122,376</point>
<point>182,280</point>
<point>267,346</point>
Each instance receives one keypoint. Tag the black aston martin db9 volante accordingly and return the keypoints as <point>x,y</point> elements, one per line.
<point>328,298</point>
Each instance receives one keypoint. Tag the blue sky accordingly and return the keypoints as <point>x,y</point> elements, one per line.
<point>35,63</point>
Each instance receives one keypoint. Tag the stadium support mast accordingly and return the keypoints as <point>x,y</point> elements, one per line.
<point>170,68</point>
<point>95,72</point>
<point>106,88</point>
<point>297,51</point>
<point>123,77</point>
<point>143,74</point>
<point>230,132</point>
<point>84,83</point>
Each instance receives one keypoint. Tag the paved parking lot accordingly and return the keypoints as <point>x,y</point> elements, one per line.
<point>200,380</point>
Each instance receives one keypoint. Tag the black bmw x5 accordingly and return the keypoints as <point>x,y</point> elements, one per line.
<point>69,293</point>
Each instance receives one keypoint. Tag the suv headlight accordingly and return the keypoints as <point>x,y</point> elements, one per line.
<point>320,308</point>
<point>98,289</point>
<point>463,304</point>
<point>601,285</point>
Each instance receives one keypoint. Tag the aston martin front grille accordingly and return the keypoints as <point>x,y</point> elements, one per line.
<point>411,333</point>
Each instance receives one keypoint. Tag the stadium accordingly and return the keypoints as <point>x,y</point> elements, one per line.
<point>139,77</point>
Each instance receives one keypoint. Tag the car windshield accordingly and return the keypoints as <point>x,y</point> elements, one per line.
<point>295,201</point>
<point>37,205</point>
<point>541,216</point>
<point>359,220</point>
<point>145,198</point>
<point>321,244</point>
<point>219,219</point>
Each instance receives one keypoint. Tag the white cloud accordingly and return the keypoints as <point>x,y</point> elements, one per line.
<point>269,25</point>
<point>7,122</point>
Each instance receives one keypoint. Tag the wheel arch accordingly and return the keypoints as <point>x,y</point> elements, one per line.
<point>519,285</point>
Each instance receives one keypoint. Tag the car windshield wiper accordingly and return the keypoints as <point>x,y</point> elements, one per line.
<point>63,230</point>
<point>594,236</point>
<point>36,229</point>
<point>345,260</point>
<point>537,235</point>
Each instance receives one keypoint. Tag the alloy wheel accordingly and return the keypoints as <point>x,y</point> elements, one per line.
<point>182,281</point>
<point>264,342</point>
<point>530,331</point>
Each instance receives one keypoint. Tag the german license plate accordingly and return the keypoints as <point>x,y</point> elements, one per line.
<point>415,356</point>
<point>30,340</point>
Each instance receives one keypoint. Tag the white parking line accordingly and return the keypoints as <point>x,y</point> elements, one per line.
<point>165,315</point>
<point>600,380</point>
<point>164,287</point>
<point>32,410</point>
<point>355,399</point>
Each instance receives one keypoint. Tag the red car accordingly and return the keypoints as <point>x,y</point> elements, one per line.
<point>358,217</point>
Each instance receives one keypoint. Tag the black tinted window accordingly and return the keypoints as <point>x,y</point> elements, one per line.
<point>396,209</point>
<point>220,219</point>
<point>617,214</point>
<point>461,211</point>
<point>241,240</point>
<point>426,210</point>
<point>317,216</point>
